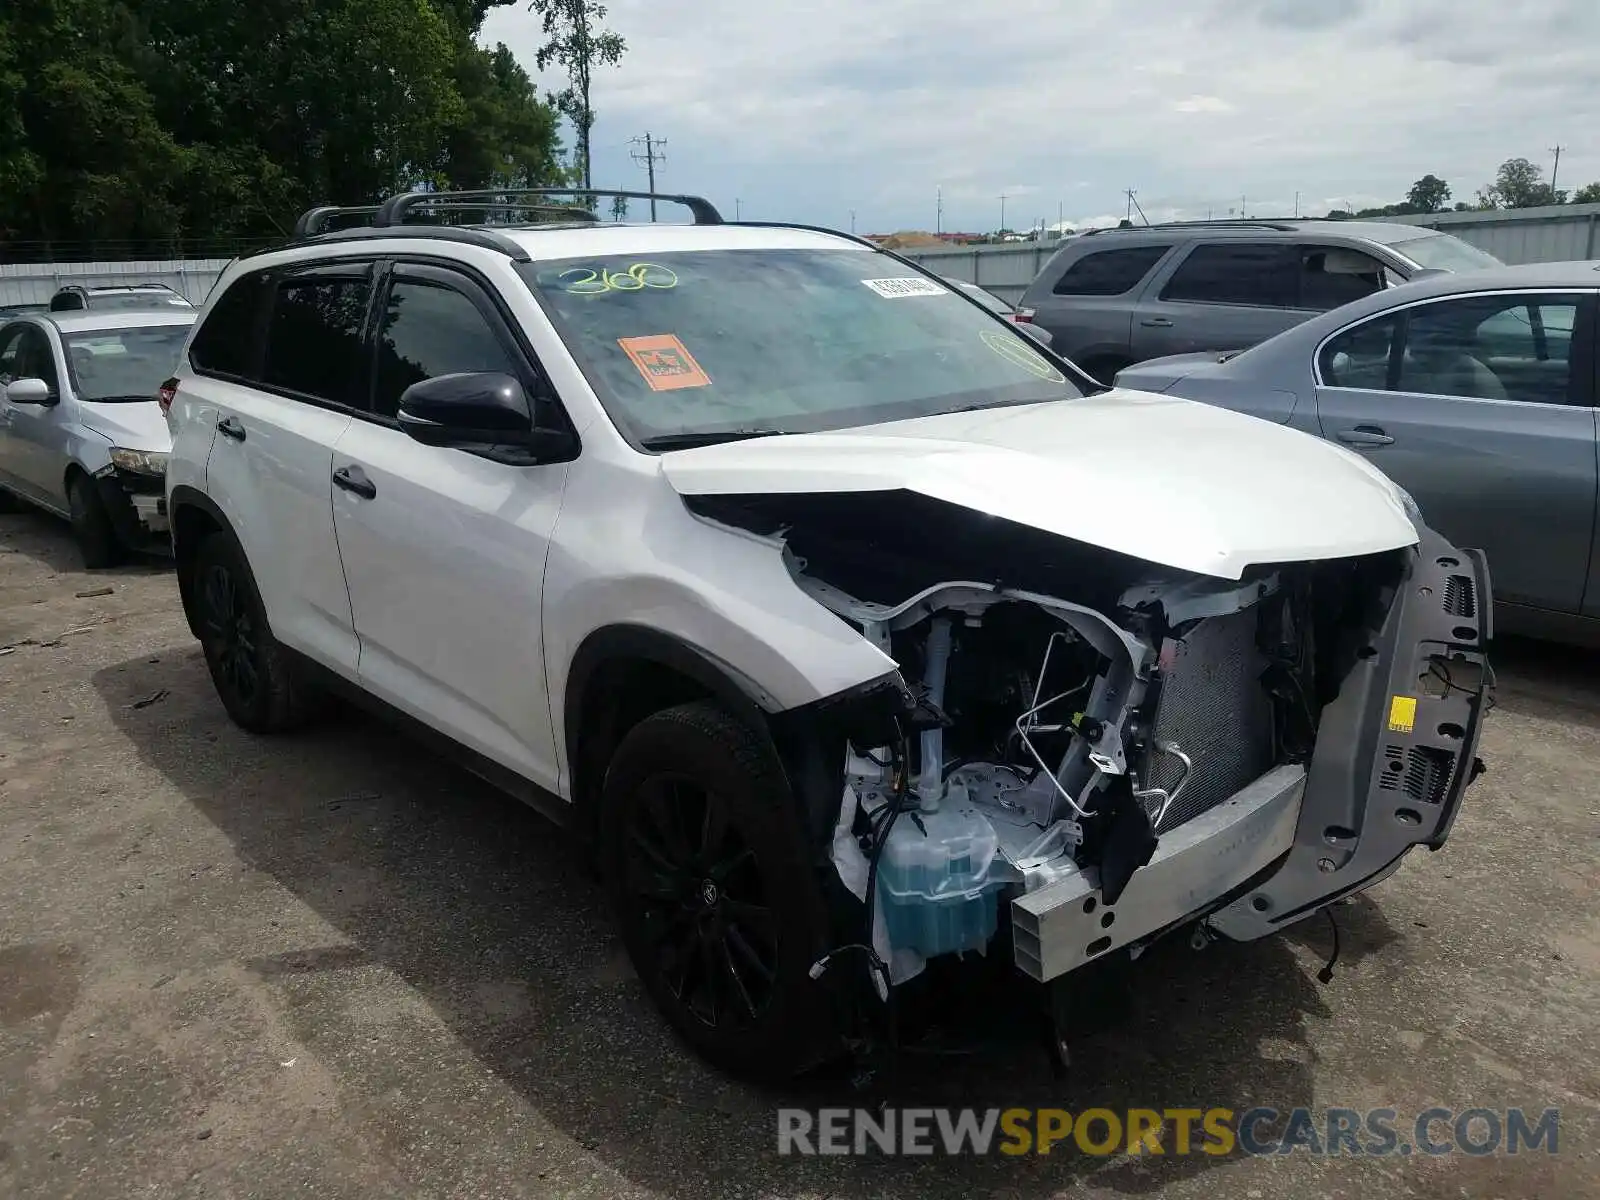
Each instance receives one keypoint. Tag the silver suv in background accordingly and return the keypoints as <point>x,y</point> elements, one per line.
<point>1115,297</point>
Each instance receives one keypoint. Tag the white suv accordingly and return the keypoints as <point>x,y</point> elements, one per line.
<point>791,576</point>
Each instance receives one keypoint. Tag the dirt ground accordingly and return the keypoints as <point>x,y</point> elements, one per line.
<point>335,965</point>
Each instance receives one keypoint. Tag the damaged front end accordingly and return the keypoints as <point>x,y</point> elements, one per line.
<point>1088,751</point>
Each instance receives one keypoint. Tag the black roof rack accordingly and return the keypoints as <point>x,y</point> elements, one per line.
<point>1281,226</point>
<point>393,211</point>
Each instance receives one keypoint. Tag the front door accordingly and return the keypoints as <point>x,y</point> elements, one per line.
<point>444,551</point>
<point>1480,407</point>
<point>33,436</point>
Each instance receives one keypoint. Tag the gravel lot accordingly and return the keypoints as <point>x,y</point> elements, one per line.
<point>334,965</point>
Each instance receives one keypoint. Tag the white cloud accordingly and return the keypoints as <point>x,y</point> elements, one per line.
<point>805,111</point>
<point>1203,104</point>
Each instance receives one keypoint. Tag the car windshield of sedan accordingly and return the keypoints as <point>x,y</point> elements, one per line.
<point>123,364</point>
<point>711,345</point>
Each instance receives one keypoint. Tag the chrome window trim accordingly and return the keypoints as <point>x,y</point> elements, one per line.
<point>1316,353</point>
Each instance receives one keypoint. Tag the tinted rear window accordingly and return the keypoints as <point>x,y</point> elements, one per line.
<point>1109,272</point>
<point>226,341</point>
<point>314,337</point>
<point>1255,273</point>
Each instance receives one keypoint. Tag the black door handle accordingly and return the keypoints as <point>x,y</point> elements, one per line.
<point>354,479</point>
<point>229,427</point>
<point>1157,322</point>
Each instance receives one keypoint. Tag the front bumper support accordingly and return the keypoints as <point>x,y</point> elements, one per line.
<point>1395,749</point>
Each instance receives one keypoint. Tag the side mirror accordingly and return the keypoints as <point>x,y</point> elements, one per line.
<point>477,410</point>
<point>29,391</point>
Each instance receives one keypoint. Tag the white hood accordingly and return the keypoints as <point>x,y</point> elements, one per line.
<point>131,424</point>
<point>1161,479</point>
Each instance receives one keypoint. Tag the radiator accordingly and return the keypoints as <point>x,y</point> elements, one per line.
<point>1212,705</point>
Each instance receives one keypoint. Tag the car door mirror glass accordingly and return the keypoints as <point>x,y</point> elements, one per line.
<point>29,391</point>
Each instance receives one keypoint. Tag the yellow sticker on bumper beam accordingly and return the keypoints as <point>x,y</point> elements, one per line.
<point>1402,714</point>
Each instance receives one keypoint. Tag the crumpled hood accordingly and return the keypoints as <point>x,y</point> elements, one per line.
<point>1166,480</point>
<point>133,425</point>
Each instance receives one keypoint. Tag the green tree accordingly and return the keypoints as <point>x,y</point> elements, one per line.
<point>1428,195</point>
<point>1589,193</point>
<point>575,42</point>
<point>147,120</point>
<point>1519,184</point>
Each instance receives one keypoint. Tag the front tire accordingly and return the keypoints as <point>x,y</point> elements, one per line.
<point>91,525</point>
<point>708,875</point>
<point>252,673</point>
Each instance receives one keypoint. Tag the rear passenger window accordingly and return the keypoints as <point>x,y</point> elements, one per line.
<point>1360,357</point>
<point>1256,273</point>
<point>1109,272</point>
<point>225,343</point>
<point>430,330</point>
<point>314,336</point>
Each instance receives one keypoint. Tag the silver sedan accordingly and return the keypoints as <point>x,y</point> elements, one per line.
<point>1476,393</point>
<point>81,429</point>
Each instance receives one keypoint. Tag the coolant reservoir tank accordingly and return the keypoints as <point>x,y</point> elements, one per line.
<point>936,881</point>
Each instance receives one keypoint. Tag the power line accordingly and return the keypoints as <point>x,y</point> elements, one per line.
<point>648,158</point>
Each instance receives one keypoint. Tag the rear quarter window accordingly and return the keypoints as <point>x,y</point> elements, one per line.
<point>228,340</point>
<point>1110,272</point>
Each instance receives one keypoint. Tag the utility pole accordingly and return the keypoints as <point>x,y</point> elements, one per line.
<point>648,158</point>
<point>1242,213</point>
<point>1297,205</point>
<point>852,222</point>
<point>1133,206</point>
<point>736,208</point>
<point>938,212</point>
<point>1555,169</point>
<point>1002,212</point>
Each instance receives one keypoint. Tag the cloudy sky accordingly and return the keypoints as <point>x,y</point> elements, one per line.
<point>808,109</point>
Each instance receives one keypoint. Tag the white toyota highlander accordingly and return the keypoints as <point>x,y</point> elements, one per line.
<point>861,636</point>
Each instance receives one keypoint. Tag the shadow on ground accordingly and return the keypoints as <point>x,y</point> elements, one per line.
<point>469,898</point>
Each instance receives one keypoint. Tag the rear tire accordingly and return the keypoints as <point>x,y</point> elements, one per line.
<point>707,872</point>
<point>254,676</point>
<point>91,525</point>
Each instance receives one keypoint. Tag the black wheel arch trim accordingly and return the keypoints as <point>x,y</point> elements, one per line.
<point>181,497</point>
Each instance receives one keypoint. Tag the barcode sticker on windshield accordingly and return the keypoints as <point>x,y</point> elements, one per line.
<point>893,289</point>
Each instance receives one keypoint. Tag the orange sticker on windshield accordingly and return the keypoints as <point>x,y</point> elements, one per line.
<point>665,362</point>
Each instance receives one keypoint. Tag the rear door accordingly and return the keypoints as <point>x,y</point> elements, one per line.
<point>1488,424</point>
<point>444,551</point>
<point>279,380</point>
<point>1221,295</point>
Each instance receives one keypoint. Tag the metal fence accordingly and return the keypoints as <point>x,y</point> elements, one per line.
<point>35,283</point>
<point>1562,233</point>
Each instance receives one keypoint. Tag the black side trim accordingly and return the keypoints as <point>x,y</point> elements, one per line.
<point>547,803</point>
<point>612,643</point>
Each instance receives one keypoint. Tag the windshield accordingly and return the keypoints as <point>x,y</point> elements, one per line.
<point>1442,252</point>
<point>123,364</point>
<point>684,347</point>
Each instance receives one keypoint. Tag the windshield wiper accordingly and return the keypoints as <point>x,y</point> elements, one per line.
<point>690,439</point>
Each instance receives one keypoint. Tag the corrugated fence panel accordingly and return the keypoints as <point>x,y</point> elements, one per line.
<point>35,283</point>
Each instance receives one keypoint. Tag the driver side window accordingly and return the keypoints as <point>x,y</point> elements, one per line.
<point>25,354</point>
